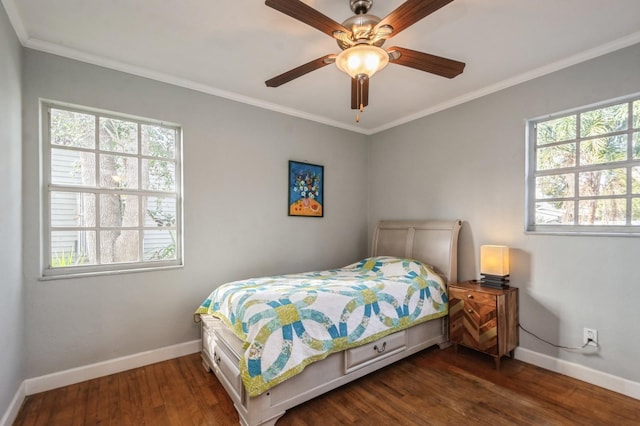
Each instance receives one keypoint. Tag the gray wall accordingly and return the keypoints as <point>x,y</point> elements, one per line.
<point>235,214</point>
<point>11,300</point>
<point>469,162</point>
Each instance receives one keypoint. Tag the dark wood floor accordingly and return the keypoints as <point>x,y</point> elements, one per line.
<point>434,387</point>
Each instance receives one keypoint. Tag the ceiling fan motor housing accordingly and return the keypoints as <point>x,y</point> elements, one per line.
<point>360,6</point>
<point>362,31</point>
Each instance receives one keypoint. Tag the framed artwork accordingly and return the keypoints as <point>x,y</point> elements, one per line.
<point>306,185</point>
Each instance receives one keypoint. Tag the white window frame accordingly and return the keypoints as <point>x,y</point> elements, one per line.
<point>627,229</point>
<point>49,272</point>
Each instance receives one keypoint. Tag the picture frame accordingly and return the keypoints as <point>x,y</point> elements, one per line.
<point>306,189</point>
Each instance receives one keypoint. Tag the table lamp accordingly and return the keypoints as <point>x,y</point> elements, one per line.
<point>494,266</point>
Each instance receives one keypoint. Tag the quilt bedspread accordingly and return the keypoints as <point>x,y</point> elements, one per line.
<point>290,321</point>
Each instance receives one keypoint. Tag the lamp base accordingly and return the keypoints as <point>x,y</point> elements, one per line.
<point>494,281</point>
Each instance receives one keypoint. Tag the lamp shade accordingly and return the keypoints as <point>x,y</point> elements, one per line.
<point>494,260</point>
<point>362,59</point>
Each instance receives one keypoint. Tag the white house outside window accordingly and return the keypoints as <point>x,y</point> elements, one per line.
<point>113,192</point>
<point>584,170</point>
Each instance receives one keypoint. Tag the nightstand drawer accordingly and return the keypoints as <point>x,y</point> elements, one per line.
<point>470,295</point>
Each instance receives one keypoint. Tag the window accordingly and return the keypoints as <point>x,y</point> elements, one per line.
<point>584,170</point>
<point>112,192</point>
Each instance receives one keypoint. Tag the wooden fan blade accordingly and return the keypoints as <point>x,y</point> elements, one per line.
<point>300,71</point>
<point>425,62</point>
<point>410,12</point>
<point>355,96</point>
<point>304,13</point>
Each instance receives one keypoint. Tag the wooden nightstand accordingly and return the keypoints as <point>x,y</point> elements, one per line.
<point>484,319</point>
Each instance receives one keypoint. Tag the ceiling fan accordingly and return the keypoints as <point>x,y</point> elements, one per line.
<point>360,38</point>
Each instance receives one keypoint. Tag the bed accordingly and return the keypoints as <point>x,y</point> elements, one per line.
<point>419,255</point>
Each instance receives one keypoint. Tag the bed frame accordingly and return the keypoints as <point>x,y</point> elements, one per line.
<point>433,242</point>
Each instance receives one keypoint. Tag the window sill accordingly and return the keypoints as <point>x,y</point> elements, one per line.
<point>63,276</point>
<point>583,233</point>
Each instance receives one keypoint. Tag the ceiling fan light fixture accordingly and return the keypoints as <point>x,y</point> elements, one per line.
<point>362,59</point>
<point>360,37</point>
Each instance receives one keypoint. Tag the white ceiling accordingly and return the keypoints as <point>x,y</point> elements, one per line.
<point>229,48</point>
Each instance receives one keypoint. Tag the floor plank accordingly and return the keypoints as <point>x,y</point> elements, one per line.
<point>433,387</point>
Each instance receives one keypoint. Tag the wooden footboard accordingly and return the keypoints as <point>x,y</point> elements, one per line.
<point>222,358</point>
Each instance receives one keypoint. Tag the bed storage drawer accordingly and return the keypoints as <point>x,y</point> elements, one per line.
<point>209,325</point>
<point>227,365</point>
<point>366,354</point>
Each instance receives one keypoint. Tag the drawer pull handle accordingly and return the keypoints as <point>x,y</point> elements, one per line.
<point>470,311</point>
<point>380,350</point>
<point>469,296</point>
<point>216,358</point>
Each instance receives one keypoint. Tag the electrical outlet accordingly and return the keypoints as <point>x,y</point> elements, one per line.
<point>590,337</point>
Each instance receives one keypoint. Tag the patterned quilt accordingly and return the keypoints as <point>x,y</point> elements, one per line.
<point>290,321</point>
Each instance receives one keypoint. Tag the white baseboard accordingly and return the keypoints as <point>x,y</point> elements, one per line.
<point>100,369</point>
<point>92,371</point>
<point>580,372</point>
<point>12,412</point>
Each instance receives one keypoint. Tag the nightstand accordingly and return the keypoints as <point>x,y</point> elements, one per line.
<point>484,319</point>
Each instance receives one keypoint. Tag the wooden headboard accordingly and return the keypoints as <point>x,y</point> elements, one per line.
<point>433,242</point>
